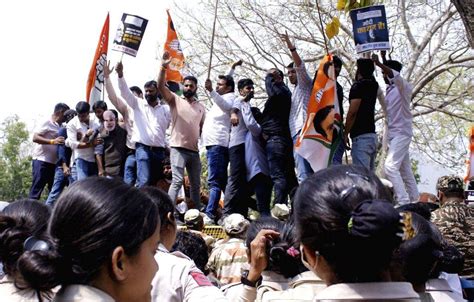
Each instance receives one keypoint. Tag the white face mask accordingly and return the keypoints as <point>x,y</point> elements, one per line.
<point>305,263</point>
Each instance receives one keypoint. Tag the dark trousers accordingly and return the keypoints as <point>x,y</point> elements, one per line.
<point>217,161</point>
<point>279,151</point>
<point>43,174</point>
<point>262,185</point>
<point>237,191</point>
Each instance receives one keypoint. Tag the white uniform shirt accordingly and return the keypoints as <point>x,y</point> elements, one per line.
<point>178,279</point>
<point>237,133</point>
<point>397,99</point>
<point>47,153</point>
<point>150,122</point>
<point>73,128</point>
<point>299,100</point>
<point>216,128</point>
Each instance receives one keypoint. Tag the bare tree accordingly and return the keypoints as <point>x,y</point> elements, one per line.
<point>428,37</point>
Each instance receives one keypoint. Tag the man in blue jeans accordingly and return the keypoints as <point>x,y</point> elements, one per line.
<point>360,121</point>
<point>215,136</point>
<point>151,119</point>
<point>62,174</point>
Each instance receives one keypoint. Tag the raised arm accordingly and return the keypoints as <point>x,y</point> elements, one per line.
<point>167,95</point>
<point>274,83</point>
<point>114,99</point>
<point>291,47</point>
<point>123,87</point>
<point>217,98</point>
<point>232,68</point>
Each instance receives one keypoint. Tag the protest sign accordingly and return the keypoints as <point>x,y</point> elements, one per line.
<point>129,34</point>
<point>369,25</point>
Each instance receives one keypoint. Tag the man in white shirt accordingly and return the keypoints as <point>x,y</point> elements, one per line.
<point>151,119</point>
<point>82,133</point>
<point>397,99</point>
<point>215,136</point>
<point>44,153</point>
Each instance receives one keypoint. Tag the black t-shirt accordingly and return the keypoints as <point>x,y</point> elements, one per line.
<point>340,98</point>
<point>366,90</point>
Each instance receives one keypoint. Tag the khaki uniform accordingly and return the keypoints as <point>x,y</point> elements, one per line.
<point>377,291</point>
<point>79,293</point>
<point>440,291</point>
<point>455,220</point>
<point>178,279</point>
<point>228,260</point>
<point>9,292</point>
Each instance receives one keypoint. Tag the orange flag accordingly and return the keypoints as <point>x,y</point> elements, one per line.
<point>322,125</point>
<point>95,81</point>
<point>173,73</point>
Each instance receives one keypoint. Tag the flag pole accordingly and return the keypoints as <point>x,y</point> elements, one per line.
<point>322,28</point>
<point>212,40</point>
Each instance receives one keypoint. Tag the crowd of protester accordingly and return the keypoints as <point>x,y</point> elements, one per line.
<point>126,218</point>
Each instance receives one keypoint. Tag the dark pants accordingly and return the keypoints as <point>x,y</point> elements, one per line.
<point>262,185</point>
<point>237,191</point>
<point>149,164</point>
<point>217,161</point>
<point>43,174</point>
<point>279,151</point>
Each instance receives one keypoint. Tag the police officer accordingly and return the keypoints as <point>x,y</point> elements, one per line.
<point>455,219</point>
<point>178,278</point>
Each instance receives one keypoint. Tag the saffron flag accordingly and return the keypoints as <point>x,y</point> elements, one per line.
<point>320,134</point>
<point>95,81</point>
<point>172,45</point>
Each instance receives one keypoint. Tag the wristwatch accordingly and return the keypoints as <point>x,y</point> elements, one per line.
<point>245,281</point>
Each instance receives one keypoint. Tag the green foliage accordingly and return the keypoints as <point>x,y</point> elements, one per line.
<point>15,169</point>
<point>414,168</point>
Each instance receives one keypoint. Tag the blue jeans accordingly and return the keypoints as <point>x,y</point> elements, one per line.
<point>130,170</point>
<point>303,168</point>
<point>60,181</point>
<point>279,151</point>
<point>364,149</point>
<point>43,174</point>
<point>217,161</point>
<point>149,164</point>
<point>183,158</point>
<point>237,191</point>
<point>85,168</point>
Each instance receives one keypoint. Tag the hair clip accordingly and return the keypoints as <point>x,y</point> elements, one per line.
<point>354,174</point>
<point>293,252</point>
<point>346,192</point>
<point>349,225</point>
<point>407,227</point>
<point>34,244</point>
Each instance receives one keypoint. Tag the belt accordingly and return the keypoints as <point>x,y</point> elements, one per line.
<point>151,148</point>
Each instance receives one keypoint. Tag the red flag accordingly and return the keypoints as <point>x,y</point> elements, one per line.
<point>172,45</point>
<point>95,81</point>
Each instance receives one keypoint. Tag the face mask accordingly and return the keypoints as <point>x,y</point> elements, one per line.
<point>109,125</point>
<point>189,94</point>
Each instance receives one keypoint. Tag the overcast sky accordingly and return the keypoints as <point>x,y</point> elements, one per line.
<point>48,47</point>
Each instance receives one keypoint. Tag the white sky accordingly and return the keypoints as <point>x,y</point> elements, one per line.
<point>48,47</point>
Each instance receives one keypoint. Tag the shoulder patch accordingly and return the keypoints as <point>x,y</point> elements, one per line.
<point>200,279</point>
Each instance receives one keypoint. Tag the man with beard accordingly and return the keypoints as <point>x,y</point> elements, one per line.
<point>112,152</point>
<point>188,116</point>
<point>151,119</point>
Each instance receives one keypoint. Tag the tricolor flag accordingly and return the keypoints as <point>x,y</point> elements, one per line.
<point>173,73</point>
<point>320,133</point>
<point>95,81</point>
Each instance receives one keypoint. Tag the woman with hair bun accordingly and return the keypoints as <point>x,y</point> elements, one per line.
<point>348,231</point>
<point>103,238</point>
<point>22,224</point>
